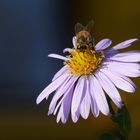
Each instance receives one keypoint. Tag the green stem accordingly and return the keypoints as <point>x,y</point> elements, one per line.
<point>122,118</point>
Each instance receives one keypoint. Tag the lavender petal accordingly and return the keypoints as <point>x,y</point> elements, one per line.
<point>109,88</point>
<point>60,114</point>
<point>126,69</point>
<point>60,72</point>
<point>98,94</point>
<point>51,87</point>
<point>85,104</point>
<point>118,81</point>
<point>67,50</point>
<point>59,93</point>
<point>130,56</point>
<point>124,44</point>
<point>77,96</point>
<point>74,41</point>
<point>58,56</point>
<point>103,44</point>
<point>94,107</point>
<point>67,92</point>
<point>67,105</point>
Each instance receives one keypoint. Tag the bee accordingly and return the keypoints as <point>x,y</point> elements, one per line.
<point>84,39</point>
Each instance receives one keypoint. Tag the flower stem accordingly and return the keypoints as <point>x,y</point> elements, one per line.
<point>122,118</point>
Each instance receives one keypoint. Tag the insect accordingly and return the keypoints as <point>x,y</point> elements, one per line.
<point>84,39</point>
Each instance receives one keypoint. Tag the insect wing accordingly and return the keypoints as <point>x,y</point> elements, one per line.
<point>78,27</point>
<point>89,26</point>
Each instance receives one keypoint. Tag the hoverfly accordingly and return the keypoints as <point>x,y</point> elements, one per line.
<point>84,39</point>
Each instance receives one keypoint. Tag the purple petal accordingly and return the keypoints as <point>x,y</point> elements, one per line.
<point>64,87</point>
<point>98,94</point>
<point>60,114</point>
<point>66,106</point>
<point>74,41</point>
<point>128,80</point>
<point>58,56</point>
<point>130,56</point>
<point>110,52</point>
<point>109,88</point>
<point>124,44</point>
<point>60,72</point>
<point>77,96</point>
<point>94,108</point>
<point>126,69</point>
<point>103,44</point>
<point>75,116</point>
<point>67,50</point>
<point>51,87</point>
<point>118,81</point>
<point>125,64</point>
<point>85,104</point>
<point>69,90</point>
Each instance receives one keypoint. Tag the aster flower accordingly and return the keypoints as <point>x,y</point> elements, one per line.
<point>88,76</point>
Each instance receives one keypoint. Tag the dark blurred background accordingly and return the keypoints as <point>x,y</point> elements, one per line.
<point>31,29</point>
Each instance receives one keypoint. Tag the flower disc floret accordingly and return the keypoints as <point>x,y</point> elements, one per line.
<point>83,62</point>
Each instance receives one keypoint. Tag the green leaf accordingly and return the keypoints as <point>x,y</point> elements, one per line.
<point>108,136</point>
<point>122,118</point>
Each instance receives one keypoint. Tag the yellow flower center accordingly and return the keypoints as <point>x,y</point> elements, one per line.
<point>83,62</point>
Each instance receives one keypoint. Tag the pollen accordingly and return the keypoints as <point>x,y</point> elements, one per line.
<point>83,62</point>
